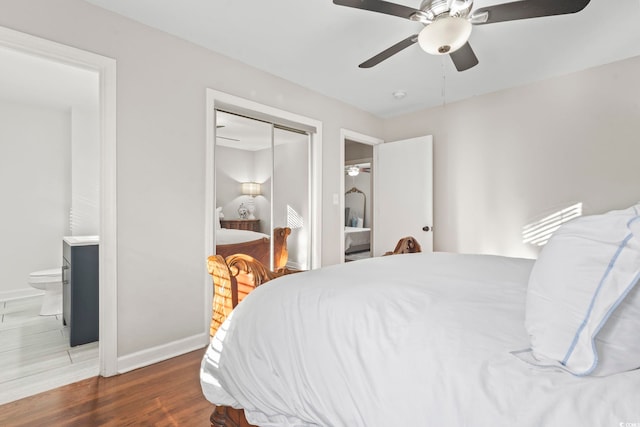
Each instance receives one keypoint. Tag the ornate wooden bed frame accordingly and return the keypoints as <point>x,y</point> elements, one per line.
<point>224,416</point>
<point>233,278</point>
<point>260,249</point>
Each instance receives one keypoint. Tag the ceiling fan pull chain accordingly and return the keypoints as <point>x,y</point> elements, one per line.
<point>444,83</point>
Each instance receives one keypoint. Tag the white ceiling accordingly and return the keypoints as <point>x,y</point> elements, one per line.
<point>319,45</point>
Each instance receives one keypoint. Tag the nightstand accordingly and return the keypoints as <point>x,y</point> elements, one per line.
<point>241,224</point>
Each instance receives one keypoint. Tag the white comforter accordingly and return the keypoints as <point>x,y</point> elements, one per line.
<point>404,340</point>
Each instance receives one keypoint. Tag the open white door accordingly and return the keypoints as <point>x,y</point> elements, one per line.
<point>403,193</point>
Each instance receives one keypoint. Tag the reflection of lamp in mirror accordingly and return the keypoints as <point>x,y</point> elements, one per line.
<point>251,189</point>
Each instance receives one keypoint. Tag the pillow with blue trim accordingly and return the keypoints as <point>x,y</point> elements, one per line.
<point>583,300</point>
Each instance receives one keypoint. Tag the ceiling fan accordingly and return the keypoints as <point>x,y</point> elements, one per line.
<point>448,23</point>
<point>354,170</point>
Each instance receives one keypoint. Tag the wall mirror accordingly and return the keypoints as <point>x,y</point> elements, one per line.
<point>355,202</point>
<point>262,177</point>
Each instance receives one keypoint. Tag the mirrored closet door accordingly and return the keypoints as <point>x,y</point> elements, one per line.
<point>262,191</point>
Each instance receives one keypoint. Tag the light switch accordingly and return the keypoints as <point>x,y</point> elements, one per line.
<point>336,200</point>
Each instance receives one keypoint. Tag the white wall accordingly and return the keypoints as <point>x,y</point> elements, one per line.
<point>505,159</point>
<point>161,83</point>
<point>35,188</point>
<point>291,191</point>
<point>85,169</point>
<point>262,173</point>
<point>233,166</point>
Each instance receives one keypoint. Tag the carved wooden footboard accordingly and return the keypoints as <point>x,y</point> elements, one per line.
<point>233,279</point>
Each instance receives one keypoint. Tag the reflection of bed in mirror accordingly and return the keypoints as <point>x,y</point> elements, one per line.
<point>356,239</point>
<point>257,245</point>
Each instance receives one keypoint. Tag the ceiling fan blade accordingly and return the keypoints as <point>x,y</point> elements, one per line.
<point>228,139</point>
<point>464,58</point>
<point>380,6</point>
<point>389,52</point>
<point>529,9</point>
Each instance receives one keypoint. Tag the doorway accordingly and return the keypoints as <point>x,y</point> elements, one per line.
<point>357,201</point>
<point>60,56</point>
<point>358,196</point>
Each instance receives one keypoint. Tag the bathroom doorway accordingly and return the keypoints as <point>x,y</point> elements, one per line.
<point>59,106</point>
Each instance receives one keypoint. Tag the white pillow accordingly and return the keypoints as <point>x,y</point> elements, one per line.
<point>218,215</point>
<point>583,305</point>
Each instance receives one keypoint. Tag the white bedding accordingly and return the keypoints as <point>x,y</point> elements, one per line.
<point>228,236</point>
<point>405,340</point>
<point>356,238</point>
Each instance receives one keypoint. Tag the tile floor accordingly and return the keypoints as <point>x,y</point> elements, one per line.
<point>34,351</point>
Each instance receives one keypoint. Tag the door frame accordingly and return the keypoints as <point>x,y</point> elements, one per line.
<point>362,139</point>
<point>221,100</point>
<point>106,69</point>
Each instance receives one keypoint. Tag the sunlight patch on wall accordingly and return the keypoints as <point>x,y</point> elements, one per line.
<point>294,219</point>
<point>538,232</point>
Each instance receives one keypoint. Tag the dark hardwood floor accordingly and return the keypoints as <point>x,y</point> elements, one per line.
<point>164,394</point>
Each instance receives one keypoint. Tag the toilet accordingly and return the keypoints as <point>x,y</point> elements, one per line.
<point>49,281</point>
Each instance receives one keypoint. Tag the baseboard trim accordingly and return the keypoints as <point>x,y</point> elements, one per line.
<point>294,265</point>
<point>19,293</point>
<point>157,354</point>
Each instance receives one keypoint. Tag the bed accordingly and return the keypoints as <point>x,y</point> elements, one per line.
<point>441,339</point>
<point>357,239</point>
<point>257,245</point>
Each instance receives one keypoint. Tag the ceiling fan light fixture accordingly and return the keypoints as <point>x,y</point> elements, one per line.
<point>399,94</point>
<point>445,35</point>
<point>353,170</point>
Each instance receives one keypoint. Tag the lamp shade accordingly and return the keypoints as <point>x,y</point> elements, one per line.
<point>444,35</point>
<point>250,188</point>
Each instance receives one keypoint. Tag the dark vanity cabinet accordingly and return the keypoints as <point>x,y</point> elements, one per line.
<point>80,290</point>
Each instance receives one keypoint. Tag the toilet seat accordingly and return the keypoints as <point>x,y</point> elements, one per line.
<point>46,276</point>
<point>49,281</point>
